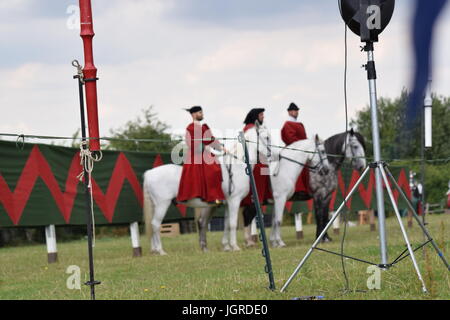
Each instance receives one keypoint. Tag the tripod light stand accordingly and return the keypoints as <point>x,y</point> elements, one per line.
<point>368,18</point>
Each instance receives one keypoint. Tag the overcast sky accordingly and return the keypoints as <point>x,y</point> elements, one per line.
<point>227,56</point>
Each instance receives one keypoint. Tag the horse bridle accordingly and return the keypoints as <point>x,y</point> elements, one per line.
<point>351,149</point>
<point>269,150</point>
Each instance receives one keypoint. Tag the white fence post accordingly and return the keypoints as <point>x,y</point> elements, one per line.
<point>50,239</point>
<point>336,223</point>
<point>372,220</point>
<point>135,242</point>
<point>254,230</point>
<point>299,225</point>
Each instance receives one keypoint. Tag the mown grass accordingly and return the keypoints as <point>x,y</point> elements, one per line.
<point>187,273</point>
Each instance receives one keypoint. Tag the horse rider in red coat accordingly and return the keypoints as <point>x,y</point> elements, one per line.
<point>293,131</point>
<point>202,175</point>
<point>255,119</point>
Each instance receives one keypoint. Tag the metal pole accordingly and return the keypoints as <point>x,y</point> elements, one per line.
<point>428,116</point>
<point>422,166</point>
<point>259,215</point>
<point>338,211</point>
<point>426,142</point>
<point>402,227</point>
<point>371,75</point>
<point>87,190</point>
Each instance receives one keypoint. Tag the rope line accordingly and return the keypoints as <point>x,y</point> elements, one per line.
<point>20,142</point>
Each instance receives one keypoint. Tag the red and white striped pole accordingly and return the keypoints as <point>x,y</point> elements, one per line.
<point>89,73</point>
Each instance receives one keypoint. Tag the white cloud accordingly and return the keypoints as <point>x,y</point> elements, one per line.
<point>144,58</point>
<point>12,4</point>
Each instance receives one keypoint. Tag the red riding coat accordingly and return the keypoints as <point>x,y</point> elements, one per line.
<point>291,132</point>
<point>262,181</point>
<point>201,176</point>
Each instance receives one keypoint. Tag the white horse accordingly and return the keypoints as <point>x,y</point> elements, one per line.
<point>285,172</point>
<point>161,188</point>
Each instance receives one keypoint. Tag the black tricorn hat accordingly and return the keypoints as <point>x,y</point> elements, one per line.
<point>293,106</point>
<point>252,116</point>
<point>194,109</point>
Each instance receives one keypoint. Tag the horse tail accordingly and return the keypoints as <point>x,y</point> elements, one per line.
<point>148,211</point>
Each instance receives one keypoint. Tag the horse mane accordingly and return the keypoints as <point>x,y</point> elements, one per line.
<point>333,145</point>
<point>360,139</point>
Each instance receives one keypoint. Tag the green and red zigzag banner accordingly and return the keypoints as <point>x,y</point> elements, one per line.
<point>39,186</point>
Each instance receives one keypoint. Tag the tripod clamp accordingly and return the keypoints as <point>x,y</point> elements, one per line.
<point>370,66</point>
<point>376,164</point>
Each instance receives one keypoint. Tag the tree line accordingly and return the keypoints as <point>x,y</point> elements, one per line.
<point>400,146</point>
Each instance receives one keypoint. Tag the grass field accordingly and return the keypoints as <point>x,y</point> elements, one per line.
<point>187,273</point>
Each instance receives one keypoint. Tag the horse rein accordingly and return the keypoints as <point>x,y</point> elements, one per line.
<point>318,167</point>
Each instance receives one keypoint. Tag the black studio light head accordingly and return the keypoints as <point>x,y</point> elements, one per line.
<point>367,18</point>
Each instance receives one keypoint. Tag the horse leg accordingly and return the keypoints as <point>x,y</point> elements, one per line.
<point>275,235</point>
<point>249,215</point>
<point>226,231</point>
<point>160,212</point>
<point>233,211</point>
<point>318,216</point>
<point>203,221</point>
<point>326,219</point>
<point>322,221</point>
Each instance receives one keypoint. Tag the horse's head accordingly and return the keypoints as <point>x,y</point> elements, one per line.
<point>259,145</point>
<point>355,150</point>
<point>318,159</point>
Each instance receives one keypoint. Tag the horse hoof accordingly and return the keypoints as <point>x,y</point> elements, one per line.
<point>235,248</point>
<point>205,250</point>
<point>250,244</point>
<point>274,244</point>
<point>159,252</point>
<point>281,244</point>
<point>227,248</point>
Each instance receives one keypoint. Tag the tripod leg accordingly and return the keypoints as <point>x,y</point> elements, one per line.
<point>405,236</point>
<point>319,238</point>
<point>416,216</point>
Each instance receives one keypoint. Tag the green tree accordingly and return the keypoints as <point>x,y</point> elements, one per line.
<point>145,127</point>
<point>396,143</point>
<point>390,115</point>
<point>437,177</point>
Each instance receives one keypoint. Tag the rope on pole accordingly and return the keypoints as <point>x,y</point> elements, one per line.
<point>20,142</point>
